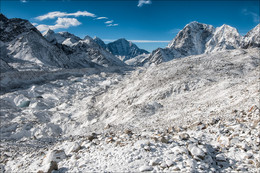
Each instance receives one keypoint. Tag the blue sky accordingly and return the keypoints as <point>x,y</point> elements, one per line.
<point>148,23</point>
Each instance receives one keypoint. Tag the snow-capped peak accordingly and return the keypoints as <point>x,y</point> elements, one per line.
<point>225,37</point>
<point>252,38</point>
<point>192,39</point>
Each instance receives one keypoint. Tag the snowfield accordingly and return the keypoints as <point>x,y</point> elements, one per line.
<point>194,114</point>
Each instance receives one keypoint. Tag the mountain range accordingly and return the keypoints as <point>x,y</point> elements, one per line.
<point>24,48</point>
<point>197,38</point>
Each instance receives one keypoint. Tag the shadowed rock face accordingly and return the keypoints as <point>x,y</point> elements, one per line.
<point>11,28</point>
<point>100,42</point>
<point>127,49</point>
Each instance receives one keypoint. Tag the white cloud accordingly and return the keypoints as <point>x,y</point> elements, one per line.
<point>34,24</point>
<point>141,41</point>
<point>255,16</point>
<point>60,23</point>
<point>110,21</point>
<point>23,1</point>
<point>99,18</point>
<point>55,14</point>
<point>112,25</point>
<point>142,2</point>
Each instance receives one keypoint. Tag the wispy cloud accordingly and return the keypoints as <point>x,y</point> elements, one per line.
<point>99,18</point>
<point>110,21</point>
<point>113,24</point>
<point>35,24</point>
<point>23,1</point>
<point>141,41</point>
<point>55,14</point>
<point>142,2</point>
<point>60,23</point>
<point>255,16</point>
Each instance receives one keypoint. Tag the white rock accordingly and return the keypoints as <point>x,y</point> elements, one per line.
<point>145,168</point>
<point>169,163</point>
<point>163,165</point>
<point>154,162</point>
<point>197,152</point>
<point>55,155</point>
<point>220,157</point>
<point>75,147</point>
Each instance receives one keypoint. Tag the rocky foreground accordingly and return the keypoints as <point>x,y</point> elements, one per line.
<point>216,145</point>
<point>195,114</point>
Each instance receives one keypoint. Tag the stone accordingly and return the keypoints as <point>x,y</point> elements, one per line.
<point>128,132</point>
<point>220,157</point>
<point>49,167</point>
<point>147,148</point>
<point>55,155</point>
<point>24,104</point>
<point>92,137</point>
<point>145,168</point>
<point>74,148</point>
<point>154,162</point>
<point>197,152</point>
<point>53,166</point>
<point>184,136</point>
<point>163,140</point>
<point>2,168</point>
<point>169,163</point>
<point>163,165</point>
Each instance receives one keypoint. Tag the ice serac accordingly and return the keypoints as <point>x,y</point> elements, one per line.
<point>192,39</point>
<point>124,49</point>
<point>224,38</point>
<point>100,42</point>
<point>252,38</point>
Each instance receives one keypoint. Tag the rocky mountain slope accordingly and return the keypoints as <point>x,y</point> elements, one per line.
<point>124,49</point>
<point>26,49</point>
<point>82,51</point>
